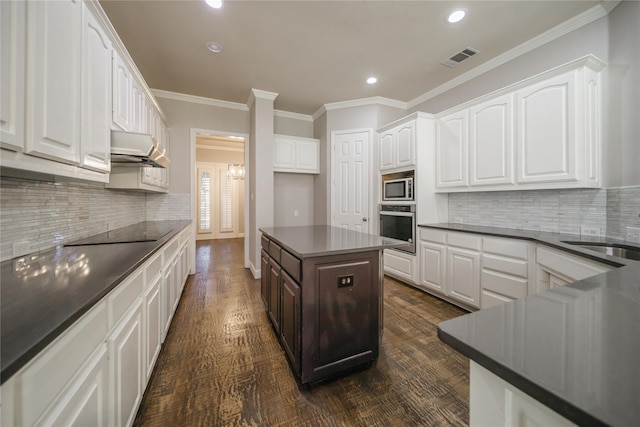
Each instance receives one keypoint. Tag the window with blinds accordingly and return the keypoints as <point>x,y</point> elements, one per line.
<point>204,207</point>
<point>226,202</point>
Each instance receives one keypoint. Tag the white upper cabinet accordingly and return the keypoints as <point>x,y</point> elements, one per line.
<point>541,133</point>
<point>491,142</point>
<point>12,71</point>
<point>53,76</point>
<point>96,95</point>
<point>296,154</point>
<point>451,150</point>
<point>397,146</point>
<point>138,107</point>
<point>122,88</point>
<point>546,130</point>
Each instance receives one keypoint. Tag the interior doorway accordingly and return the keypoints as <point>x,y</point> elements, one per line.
<point>219,185</point>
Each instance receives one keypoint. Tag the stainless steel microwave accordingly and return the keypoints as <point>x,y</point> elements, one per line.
<point>397,190</point>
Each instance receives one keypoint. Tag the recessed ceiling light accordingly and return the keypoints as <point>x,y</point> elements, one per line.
<point>456,16</point>
<point>372,80</point>
<point>214,47</point>
<point>216,4</point>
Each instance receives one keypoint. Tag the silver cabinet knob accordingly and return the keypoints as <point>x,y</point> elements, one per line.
<point>365,219</point>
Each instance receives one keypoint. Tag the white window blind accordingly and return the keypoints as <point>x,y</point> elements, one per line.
<point>226,200</point>
<point>204,216</point>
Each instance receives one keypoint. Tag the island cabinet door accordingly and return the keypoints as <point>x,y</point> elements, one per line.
<point>264,278</point>
<point>275,276</point>
<point>290,324</point>
<point>340,314</point>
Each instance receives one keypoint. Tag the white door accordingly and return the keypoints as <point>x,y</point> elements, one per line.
<point>351,180</point>
<point>218,202</point>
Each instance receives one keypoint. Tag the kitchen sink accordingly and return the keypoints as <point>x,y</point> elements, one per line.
<point>614,249</point>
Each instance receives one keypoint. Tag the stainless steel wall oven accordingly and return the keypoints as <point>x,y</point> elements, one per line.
<point>399,222</point>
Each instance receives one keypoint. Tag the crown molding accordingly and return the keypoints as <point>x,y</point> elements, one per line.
<point>556,32</point>
<point>295,116</point>
<point>374,100</point>
<point>159,93</point>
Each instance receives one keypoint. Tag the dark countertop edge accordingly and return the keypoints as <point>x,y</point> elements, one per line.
<point>551,239</point>
<point>400,244</point>
<point>13,367</point>
<point>537,392</point>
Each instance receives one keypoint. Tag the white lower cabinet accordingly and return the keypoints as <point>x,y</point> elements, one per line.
<point>450,265</point>
<point>494,402</point>
<point>95,373</point>
<point>125,346</point>
<point>400,265</point>
<point>557,268</point>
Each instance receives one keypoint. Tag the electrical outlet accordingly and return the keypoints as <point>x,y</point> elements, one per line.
<point>21,248</point>
<point>633,234</point>
<point>296,213</point>
<point>590,231</point>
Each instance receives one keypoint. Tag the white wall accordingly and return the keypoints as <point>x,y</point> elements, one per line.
<point>292,192</point>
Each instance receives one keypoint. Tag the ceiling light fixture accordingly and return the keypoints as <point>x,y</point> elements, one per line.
<point>456,16</point>
<point>216,4</point>
<point>214,47</point>
<point>372,80</point>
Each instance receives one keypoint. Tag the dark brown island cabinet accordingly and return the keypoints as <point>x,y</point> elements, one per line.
<point>322,288</point>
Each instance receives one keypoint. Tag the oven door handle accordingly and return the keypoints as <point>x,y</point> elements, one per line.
<point>397,213</point>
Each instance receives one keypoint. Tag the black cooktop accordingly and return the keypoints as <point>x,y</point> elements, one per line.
<point>141,232</point>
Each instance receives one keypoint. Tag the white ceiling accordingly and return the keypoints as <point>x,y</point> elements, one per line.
<point>316,52</point>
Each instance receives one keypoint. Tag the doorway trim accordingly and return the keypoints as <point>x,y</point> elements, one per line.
<point>194,132</point>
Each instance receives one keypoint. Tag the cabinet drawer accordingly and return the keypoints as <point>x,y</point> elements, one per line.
<point>513,267</point>
<point>125,294</point>
<point>291,265</point>
<point>433,235</point>
<point>153,268</point>
<point>264,242</point>
<point>274,251</point>
<point>507,247</point>
<point>464,240</point>
<point>513,287</point>
<point>46,376</point>
<point>171,249</point>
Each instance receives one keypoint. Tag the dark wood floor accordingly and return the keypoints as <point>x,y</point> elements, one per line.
<point>221,364</point>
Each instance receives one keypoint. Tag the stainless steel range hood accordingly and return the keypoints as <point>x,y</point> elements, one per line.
<point>136,149</point>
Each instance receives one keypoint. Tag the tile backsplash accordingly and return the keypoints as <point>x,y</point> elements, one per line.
<point>610,210</point>
<point>46,214</point>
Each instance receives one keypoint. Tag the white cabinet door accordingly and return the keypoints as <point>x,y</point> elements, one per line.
<point>307,156</point>
<point>122,87</point>
<point>386,150</point>
<point>400,264</point>
<point>463,275</point>
<point>491,141</point>
<point>86,403</point>
<point>167,298</point>
<point>153,325</point>
<point>138,107</point>
<point>126,367</point>
<point>53,79</point>
<point>546,114</point>
<point>12,72</point>
<point>432,263</point>
<point>405,136</point>
<point>96,95</point>
<point>285,154</point>
<point>451,151</point>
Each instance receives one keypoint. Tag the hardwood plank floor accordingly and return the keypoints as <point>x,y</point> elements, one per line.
<point>221,364</point>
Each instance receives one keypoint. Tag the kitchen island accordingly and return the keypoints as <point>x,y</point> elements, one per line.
<point>322,288</point>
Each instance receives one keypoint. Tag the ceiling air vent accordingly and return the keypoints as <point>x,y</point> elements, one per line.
<point>459,57</point>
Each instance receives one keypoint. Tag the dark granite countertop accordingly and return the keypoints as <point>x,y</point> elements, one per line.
<point>322,240</point>
<point>44,293</point>
<point>574,348</point>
